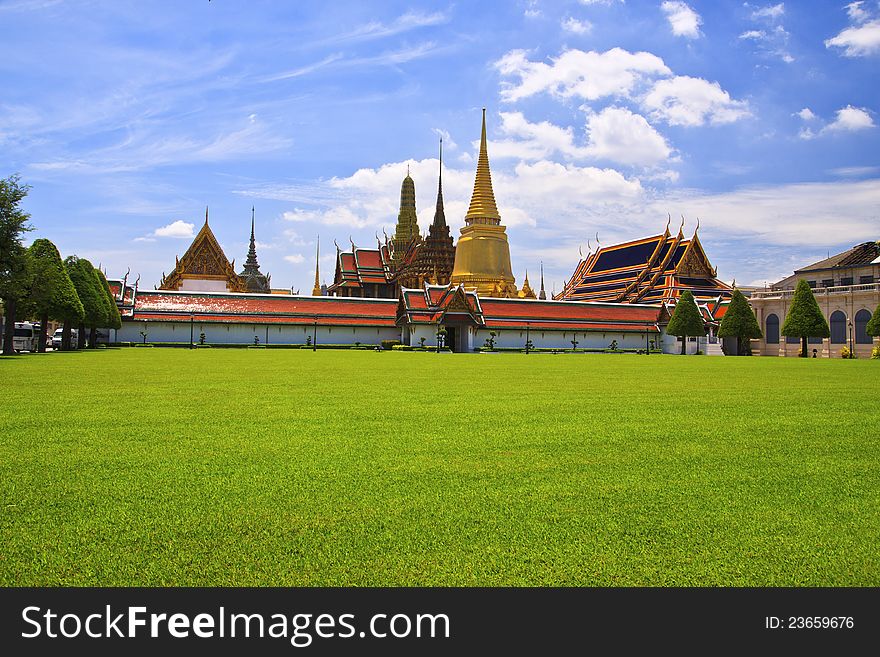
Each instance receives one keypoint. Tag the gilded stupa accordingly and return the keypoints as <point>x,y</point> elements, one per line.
<point>482,255</point>
<point>407,221</point>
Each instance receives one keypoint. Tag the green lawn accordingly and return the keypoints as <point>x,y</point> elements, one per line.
<point>288,467</point>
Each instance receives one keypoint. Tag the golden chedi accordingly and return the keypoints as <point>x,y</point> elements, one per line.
<point>482,255</point>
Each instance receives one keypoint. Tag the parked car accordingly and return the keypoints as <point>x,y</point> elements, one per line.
<point>26,336</point>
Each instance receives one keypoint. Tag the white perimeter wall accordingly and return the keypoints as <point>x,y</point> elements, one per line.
<point>244,333</point>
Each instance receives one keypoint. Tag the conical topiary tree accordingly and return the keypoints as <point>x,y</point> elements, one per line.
<point>873,326</point>
<point>686,320</point>
<point>51,294</point>
<point>91,294</point>
<point>115,319</point>
<point>805,319</point>
<point>740,322</point>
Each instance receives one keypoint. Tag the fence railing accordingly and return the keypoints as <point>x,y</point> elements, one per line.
<point>837,289</point>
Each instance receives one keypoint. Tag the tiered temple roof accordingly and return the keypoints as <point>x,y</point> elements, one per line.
<point>363,273</point>
<point>158,305</point>
<point>204,263</point>
<point>433,303</point>
<point>655,269</point>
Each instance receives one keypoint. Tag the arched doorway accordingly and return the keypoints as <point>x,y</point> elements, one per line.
<point>862,319</point>
<point>838,327</point>
<point>772,331</point>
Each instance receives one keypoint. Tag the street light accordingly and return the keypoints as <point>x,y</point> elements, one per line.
<point>315,335</point>
<point>851,352</point>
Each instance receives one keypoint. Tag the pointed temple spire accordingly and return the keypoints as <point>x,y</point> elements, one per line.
<point>482,207</point>
<point>542,295</point>
<point>316,290</point>
<point>407,220</point>
<point>206,215</point>
<point>252,250</point>
<point>253,277</point>
<point>439,214</point>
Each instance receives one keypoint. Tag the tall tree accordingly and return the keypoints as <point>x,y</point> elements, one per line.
<point>805,319</point>
<point>115,319</point>
<point>873,326</point>
<point>51,294</point>
<point>107,305</point>
<point>85,280</point>
<point>686,320</point>
<point>14,269</point>
<point>740,322</point>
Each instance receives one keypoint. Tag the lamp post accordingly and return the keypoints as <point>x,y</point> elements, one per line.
<point>191,324</point>
<point>315,335</point>
<point>851,352</point>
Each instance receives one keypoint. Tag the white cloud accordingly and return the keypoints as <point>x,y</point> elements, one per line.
<point>448,143</point>
<point>806,114</point>
<point>618,135</point>
<point>575,73</point>
<point>601,2</point>
<point>858,41</point>
<point>377,30</point>
<point>855,172</point>
<point>856,13</point>
<point>688,101</point>
<point>533,141</point>
<point>683,20</point>
<point>753,34</point>
<point>295,258</point>
<point>850,119</point>
<point>575,26</point>
<point>770,12</point>
<point>180,229</point>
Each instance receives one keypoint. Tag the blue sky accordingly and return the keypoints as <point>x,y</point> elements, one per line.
<point>604,117</point>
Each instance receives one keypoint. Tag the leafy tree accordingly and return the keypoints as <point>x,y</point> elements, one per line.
<point>91,294</point>
<point>51,294</point>
<point>114,319</point>
<point>14,258</point>
<point>740,322</point>
<point>873,326</point>
<point>804,319</point>
<point>686,320</point>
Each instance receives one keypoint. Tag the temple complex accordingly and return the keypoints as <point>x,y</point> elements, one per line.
<point>425,290</point>
<point>482,255</point>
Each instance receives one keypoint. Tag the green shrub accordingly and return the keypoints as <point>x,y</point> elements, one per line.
<point>388,344</point>
<point>875,353</point>
<point>401,347</point>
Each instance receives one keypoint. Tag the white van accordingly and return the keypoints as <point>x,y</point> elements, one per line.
<point>26,336</point>
<point>59,332</point>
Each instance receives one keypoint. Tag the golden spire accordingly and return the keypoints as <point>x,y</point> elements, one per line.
<point>316,291</point>
<point>483,208</point>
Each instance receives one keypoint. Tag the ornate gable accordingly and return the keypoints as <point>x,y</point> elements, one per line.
<point>203,260</point>
<point>694,263</point>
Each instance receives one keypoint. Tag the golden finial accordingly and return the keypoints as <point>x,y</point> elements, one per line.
<point>316,290</point>
<point>483,200</point>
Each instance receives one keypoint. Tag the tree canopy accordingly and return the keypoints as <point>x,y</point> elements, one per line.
<point>91,292</point>
<point>805,319</point>
<point>739,322</point>
<point>52,293</point>
<point>114,319</point>
<point>686,319</point>
<point>873,327</point>
<point>14,258</point>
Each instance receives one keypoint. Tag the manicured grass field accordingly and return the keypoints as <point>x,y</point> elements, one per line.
<point>286,467</point>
